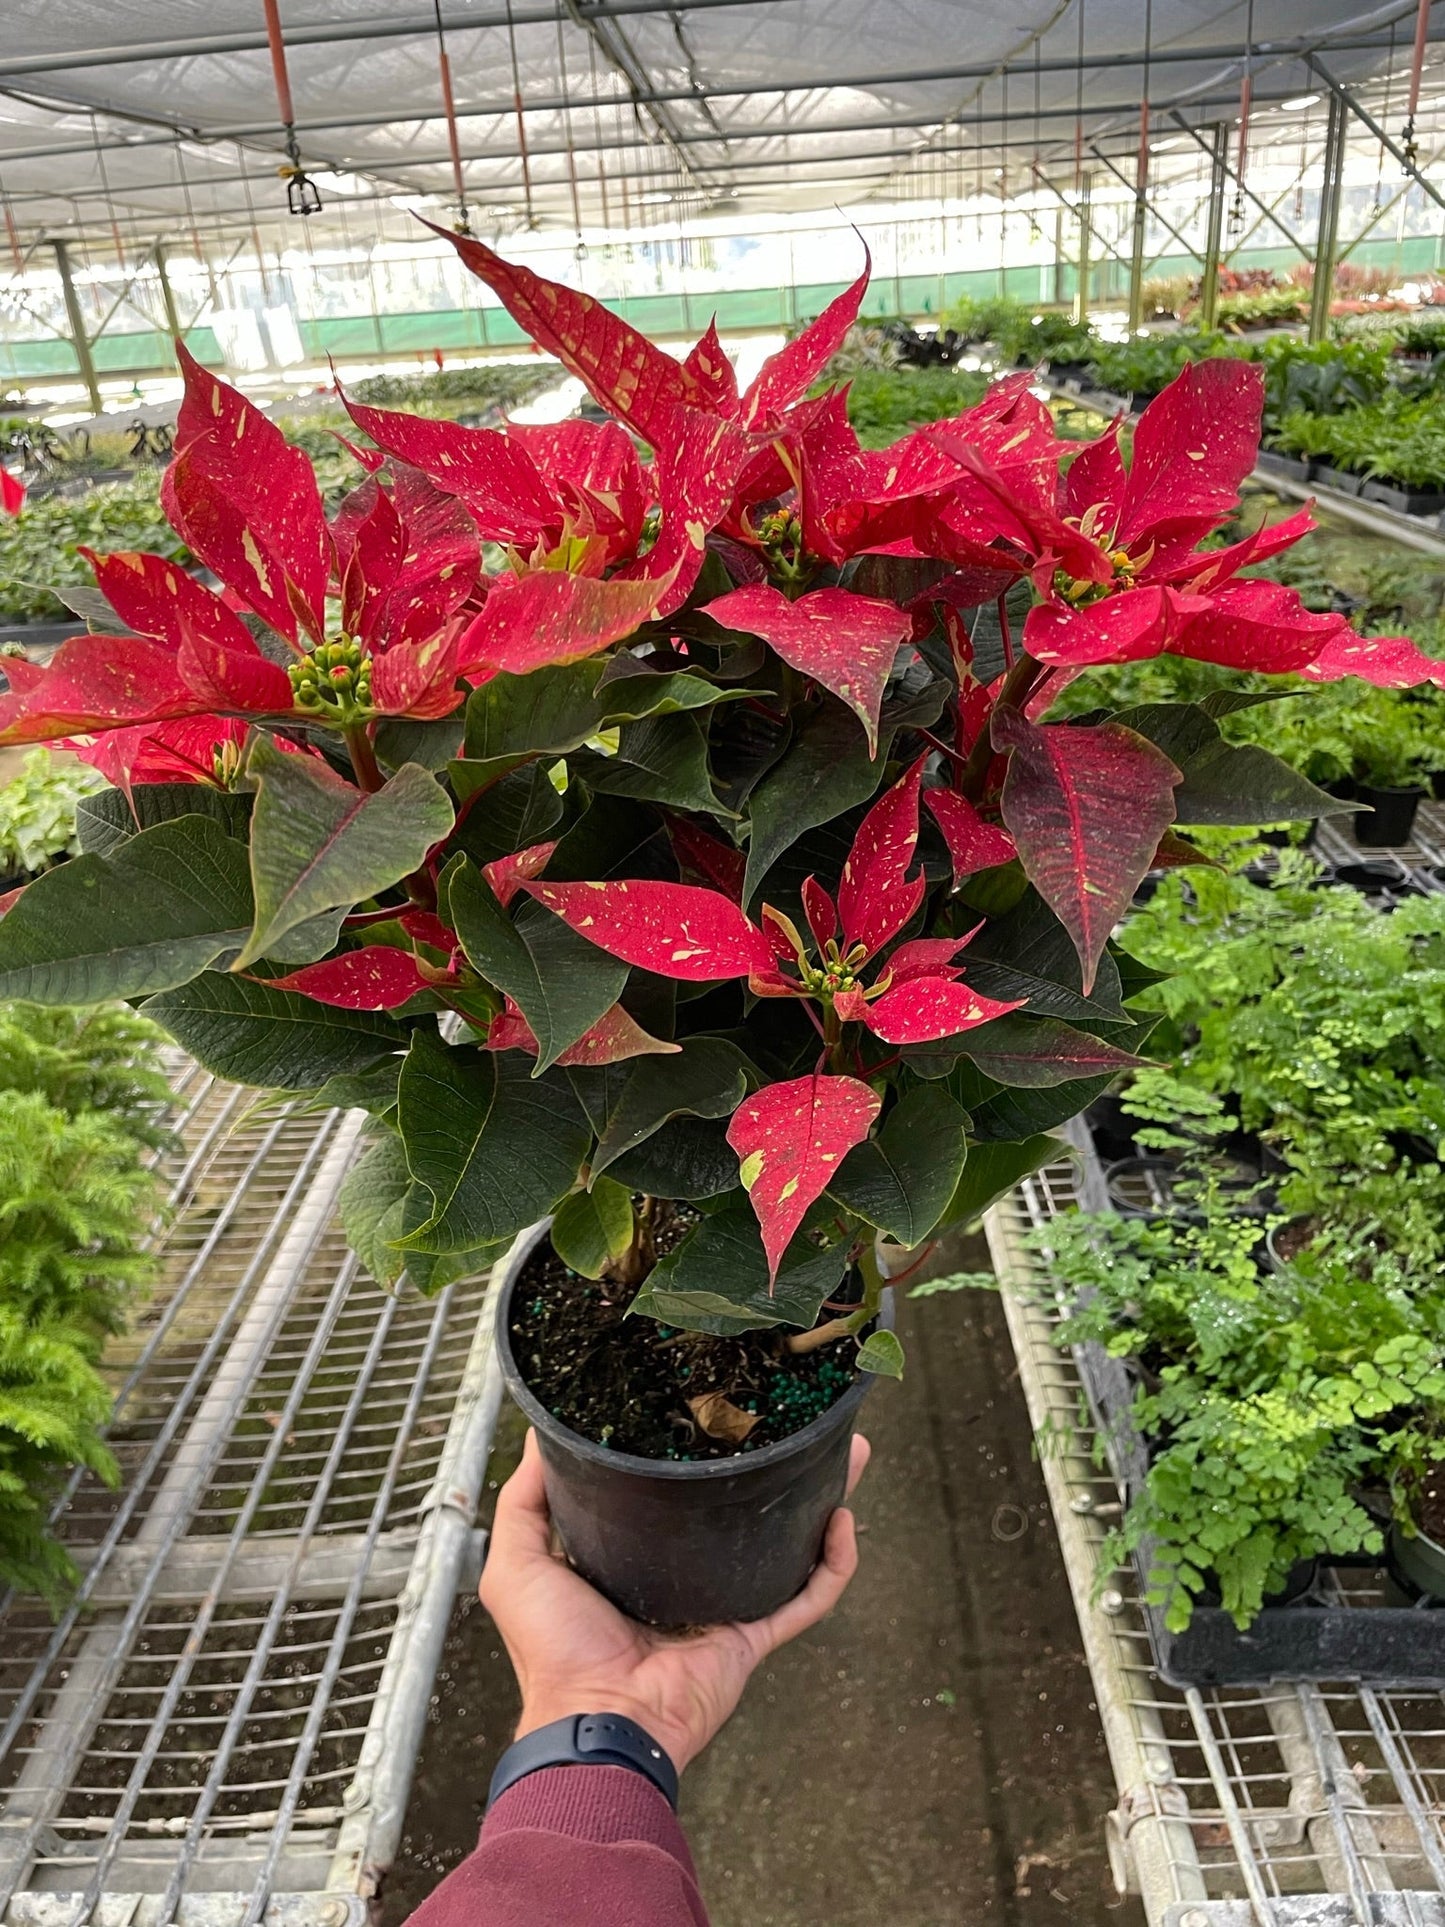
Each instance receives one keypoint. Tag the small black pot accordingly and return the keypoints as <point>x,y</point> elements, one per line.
<point>679,1544</point>
<point>1437,785</point>
<point>1416,1563</point>
<point>1391,815</point>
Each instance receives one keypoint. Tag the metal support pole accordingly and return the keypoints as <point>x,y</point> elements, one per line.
<point>1214,230</point>
<point>1328,237</point>
<point>1136,263</point>
<point>1081,293</point>
<point>79,339</point>
<point>168,297</point>
<point>1058,257</point>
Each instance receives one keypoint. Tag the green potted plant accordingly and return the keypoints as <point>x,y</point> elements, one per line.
<point>37,816</point>
<point>658,825</point>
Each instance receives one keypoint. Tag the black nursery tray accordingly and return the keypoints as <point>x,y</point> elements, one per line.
<point>1341,1628</point>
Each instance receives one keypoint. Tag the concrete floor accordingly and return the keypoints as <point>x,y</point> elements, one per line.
<point>931,1755</point>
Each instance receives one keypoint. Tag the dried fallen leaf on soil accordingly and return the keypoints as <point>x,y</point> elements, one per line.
<point>720,1418</point>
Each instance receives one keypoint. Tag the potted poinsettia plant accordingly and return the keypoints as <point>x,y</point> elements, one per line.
<point>659,827</point>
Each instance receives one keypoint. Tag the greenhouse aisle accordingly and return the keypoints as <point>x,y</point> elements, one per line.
<point>932,1755</point>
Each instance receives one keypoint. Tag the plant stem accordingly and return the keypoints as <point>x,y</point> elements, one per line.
<point>364,765</point>
<point>873,1284</point>
<point>1017,687</point>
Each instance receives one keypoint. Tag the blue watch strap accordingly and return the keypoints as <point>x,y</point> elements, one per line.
<point>587,1739</point>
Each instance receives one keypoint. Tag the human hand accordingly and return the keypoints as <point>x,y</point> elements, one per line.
<point>574,1652</point>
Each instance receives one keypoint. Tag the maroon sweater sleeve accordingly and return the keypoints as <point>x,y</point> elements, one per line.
<point>573,1846</point>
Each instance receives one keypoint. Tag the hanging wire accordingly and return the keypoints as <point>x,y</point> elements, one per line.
<point>255,232</point>
<point>1377,206</point>
<point>521,123</point>
<point>302,194</point>
<point>1417,69</point>
<point>12,233</point>
<point>462,223</point>
<point>1079,109</point>
<point>201,254</point>
<point>1246,95</point>
<point>1035,232</point>
<point>597,131</point>
<point>105,190</point>
<point>581,248</point>
<point>1142,170</point>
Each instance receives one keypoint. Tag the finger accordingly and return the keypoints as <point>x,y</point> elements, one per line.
<point>522,1525</point>
<point>821,1594</point>
<point>859,1453</point>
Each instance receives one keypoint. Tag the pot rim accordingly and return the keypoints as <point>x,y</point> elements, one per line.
<point>633,1464</point>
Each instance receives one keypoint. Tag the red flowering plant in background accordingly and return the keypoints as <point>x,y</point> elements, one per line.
<point>669,805</point>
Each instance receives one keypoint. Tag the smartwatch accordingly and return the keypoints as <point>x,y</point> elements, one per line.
<point>587,1739</point>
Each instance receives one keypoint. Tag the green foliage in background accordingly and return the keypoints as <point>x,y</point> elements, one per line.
<point>39,546</point>
<point>493,385</point>
<point>37,812</point>
<point>884,404</point>
<point>81,1097</point>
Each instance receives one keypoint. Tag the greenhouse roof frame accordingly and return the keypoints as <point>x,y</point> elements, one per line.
<point>682,95</point>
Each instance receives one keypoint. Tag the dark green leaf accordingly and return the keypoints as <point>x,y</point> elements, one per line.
<point>255,1035</point>
<point>522,809</point>
<point>155,913</point>
<point>994,1169</point>
<point>1028,955</point>
<point>995,1111</point>
<point>317,844</point>
<point>1224,702</point>
<point>400,740</point>
<point>661,760</point>
<point>610,839</point>
<point>495,1148</point>
<point>556,709</point>
<point>561,983</point>
<point>373,1090</point>
<point>901,1180</point>
<point>104,821</point>
<point>370,1207</point>
<point>882,1354</point>
<point>717,1278</point>
<point>1225,782</point>
<point>1039,1052</point>
<point>708,1078</point>
<point>592,1227</point>
<point>825,771</point>
<point>688,1157</point>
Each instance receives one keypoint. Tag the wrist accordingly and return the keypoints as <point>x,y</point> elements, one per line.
<point>603,1737</point>
<point>544,1709</point>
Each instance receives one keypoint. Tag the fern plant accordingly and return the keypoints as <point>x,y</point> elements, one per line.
<point>81,1100</point>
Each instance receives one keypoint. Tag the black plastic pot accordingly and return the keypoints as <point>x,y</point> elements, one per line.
<point>1339,479</point>
<point>1391,815</point>
<point>679,1544</point>
<point>1416,1563</point>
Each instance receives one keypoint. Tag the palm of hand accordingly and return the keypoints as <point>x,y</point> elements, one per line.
<point>574,1652</point>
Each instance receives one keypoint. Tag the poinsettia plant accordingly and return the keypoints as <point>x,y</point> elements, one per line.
<point>668,807</point>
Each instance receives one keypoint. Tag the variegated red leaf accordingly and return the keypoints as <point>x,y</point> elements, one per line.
<point>238,678</point>
<point>820,910</point>
<point>674,929</point>
<point>708,364</point>
<point>486,469</point>
<point>508,873</point>
<point>615,1037</point>
<point>1253,624</point>
<point>247,503</point>
<point>789,373</point>
<point>550,617</point>
<point>874,901</point>
<point>419,679</point>
<point>1389,662</point>
<point>378,977</point>
<point>846,642</point>
<point>157,598</point>
<point>1193,446</point>
<point>1127,627</point>
<point>926,1008</point>
<point>790,1139</point>
<point>183,751</point>
<point>973,845</point>
<point>1086,806</point>
<point>707,859</point>
<point>92,683</point>
<point>620,367</point>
